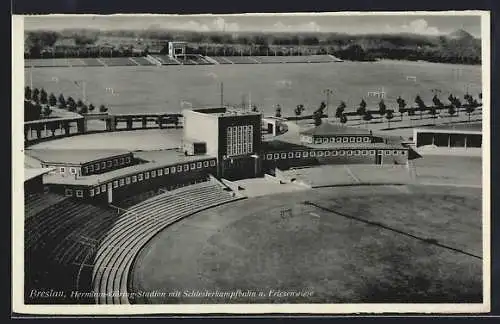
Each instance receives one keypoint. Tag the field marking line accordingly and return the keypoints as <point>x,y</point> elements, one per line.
<point>430,241</point>
<point>351,174</point>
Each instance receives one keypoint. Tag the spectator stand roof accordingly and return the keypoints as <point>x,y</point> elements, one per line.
<point>170,159</point>
<point>32,173</point>
<point>73,156</point>
<point>456,128</point>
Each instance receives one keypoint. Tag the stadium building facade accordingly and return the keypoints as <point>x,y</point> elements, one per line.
<point>234,138</point>
<point>216,142</point>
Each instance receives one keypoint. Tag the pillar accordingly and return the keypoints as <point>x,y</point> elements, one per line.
<point>26,130</point>
<point>38,131</point>
<point>80,125</point>
<point>159,121</point>
<point>110,194</point>
<point>129,123</point>
<point>449,140</point>
<point>144,122</point>
<point>66,128</point>
<point>465,141</point>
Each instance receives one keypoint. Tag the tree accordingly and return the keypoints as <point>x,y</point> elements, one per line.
<point>299,109</point>
<point>27,93</point>
<point>91,107</point>
<point>433,112</point>
<point>421,105</point>
<point>103,109</point>
<point>35,95</point>
<point>451,111</point>
<point>469,110</point>
<point>367,116</point>
<point>362,108</point>
<point>343,119</point>
<point>389,115</point>
<point>340,110</point>
<point>43,97</point>
<point>401,106</point>
<point>83,109</point>
<point>71,105</point>
<point>52,100</point>
<point>317,118</point>
<point>47,111</point>
<point>79,103</point>
<point>278,110</point>
<point>62,101</point>
<point>382,108</point>
<point>437,102</point>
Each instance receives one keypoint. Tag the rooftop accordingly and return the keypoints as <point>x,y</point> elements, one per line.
<point>31,173</point>
<point>288,144</point>
<point>470,127</point>
<point>157,159</point>
<point>326,129</point>
<point>225,112</point>
<point>72,156</point>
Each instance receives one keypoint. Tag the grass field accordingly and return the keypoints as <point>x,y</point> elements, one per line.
<point>158,89</point>
<point>359,244</point>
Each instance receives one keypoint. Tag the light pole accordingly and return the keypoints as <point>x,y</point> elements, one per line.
<point>328,92</point>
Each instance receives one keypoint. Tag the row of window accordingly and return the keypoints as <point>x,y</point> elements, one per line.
<point>71,170</point>
<point>142,176</point>
<point>239,140</point>
<point>297,155</point>
<point>343,139</point>
<point>106,164</point>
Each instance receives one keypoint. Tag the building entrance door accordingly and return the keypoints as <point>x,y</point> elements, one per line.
<point>378,158</point>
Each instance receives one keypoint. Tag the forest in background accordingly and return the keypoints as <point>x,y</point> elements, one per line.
<point>457,47</point>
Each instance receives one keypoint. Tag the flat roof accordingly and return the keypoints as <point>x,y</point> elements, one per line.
<point>171,158</point>
<point>469,127</point>
<point>286,144</point>
<point>326,129</point>
<point>72,156</point>
<point>31,173</point>
<point>224,112</point>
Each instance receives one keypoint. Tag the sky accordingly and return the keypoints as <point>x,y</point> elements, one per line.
<point>389,24</point>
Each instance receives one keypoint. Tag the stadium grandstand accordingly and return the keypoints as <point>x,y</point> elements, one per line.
<point>459,138</point>
<point>90,212</point>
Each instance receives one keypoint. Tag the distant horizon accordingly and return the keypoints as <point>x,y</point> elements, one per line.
<point>425,25</point>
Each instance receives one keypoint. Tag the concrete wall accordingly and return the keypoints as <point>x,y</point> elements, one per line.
<point>203,128</point>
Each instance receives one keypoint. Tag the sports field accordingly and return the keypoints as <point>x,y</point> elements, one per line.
<point>159,89</point>
<point>360,244</point>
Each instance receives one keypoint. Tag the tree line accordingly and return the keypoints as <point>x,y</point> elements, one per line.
<point>38,104</point>
<point>466,50</point>
<point>453,108</point>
